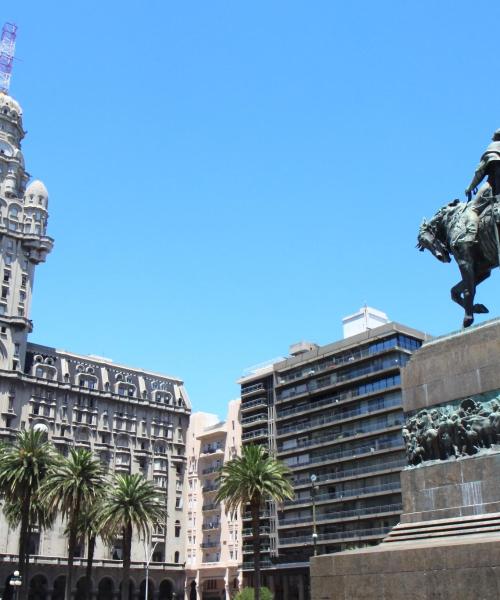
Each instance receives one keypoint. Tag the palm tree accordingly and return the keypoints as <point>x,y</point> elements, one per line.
<point>23,467</point>
<point>88,530</point>
<point>253,478</point>
<point>73,484</point>
<point>131,503</point>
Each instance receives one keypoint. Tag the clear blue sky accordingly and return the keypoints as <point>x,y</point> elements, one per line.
<point>227,178</point>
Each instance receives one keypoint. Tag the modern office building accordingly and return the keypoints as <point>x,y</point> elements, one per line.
<point>214,546</point>
<point>134,420</point>
<point>333,415</point>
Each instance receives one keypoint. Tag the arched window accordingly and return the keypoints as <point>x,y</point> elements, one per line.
<point>177,529</point>
<point>13,212</point>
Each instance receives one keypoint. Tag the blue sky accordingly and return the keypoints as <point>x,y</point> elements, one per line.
<point>227,178</point>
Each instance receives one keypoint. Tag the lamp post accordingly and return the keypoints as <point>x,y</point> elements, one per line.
<point>16,582</point>
<point>147,557</point>
<point>313,496</point>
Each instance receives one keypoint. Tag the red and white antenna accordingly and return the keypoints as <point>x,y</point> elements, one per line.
<point>7,48</point>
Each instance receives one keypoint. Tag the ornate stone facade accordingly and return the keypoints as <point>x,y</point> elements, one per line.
<point>134,420</point>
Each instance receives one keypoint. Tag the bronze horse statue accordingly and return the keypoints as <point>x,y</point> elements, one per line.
<point>470,233</point>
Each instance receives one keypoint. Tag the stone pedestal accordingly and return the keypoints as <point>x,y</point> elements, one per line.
<point>447,544</point>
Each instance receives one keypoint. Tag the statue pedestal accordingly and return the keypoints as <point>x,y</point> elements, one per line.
<point>447,544</point>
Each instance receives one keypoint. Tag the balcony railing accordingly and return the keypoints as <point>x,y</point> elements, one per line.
<point>264,514</point>
<point>251,389</point>
<point>340,436</point>
<point>346,473</point>
<point>254,418</point>
<point>399,360</point>
<point>250,435</point>
<point>213,469</point>
<point>253,404</point>
<point>264,530</point>
<point>211,525</point>
<point>343,514</point>
<point>210,506</point>
<point>337,417</point>
<point>343,494</point>
<point>358,451</point>
<point>210,488</point>
<point>339,535</point>
<point>210,544</point>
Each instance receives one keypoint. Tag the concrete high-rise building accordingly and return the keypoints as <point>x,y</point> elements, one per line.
<point>134,420</point>
<point>333,415</point>
<point>214,545</point>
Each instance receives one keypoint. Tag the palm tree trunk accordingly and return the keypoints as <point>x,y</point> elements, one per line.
<point>255,509</point>
<point>127,549</point>
<point>73,532</point>
<point>91,539</point>
<point>24,535</point>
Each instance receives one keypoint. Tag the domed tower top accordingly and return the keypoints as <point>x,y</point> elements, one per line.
<point>11,115</point>
<point>36,194</point>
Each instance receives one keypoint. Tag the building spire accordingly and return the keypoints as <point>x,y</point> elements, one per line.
<point>7,48</point>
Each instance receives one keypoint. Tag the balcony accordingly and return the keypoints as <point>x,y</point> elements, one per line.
<point>210,470</point>
<point>211,525</point>
<point>264,514</point>
<point>210,506</point>
<point>253,435</point>
<point>248,548</point>
<point>385,488</point>
<point>358,452</point>
<point>212,450</point>
<point>248,564</point>
<point>210,544</point>
<point>264,530</point>
<point>376,469</point>
<point>342,515</point>
<point>338,417</point>
<point>258,402</point>
<point>252,389</point>
<point>354,534</point>
<point>388,364</point>
<point>254,419</point>
<point>210,488</point>
<point>333,438</point>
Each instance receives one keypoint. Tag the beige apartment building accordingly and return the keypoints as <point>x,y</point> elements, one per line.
<point>134,420</point>
<point>213,537</point>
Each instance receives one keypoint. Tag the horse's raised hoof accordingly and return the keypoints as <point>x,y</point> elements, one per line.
<point>468,320</point>
<point>480,309</point>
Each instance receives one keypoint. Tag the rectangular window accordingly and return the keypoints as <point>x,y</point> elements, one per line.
<point>5,292</point>
<point>24,279</point>
<point>16,349</point>
<point>6,275</point>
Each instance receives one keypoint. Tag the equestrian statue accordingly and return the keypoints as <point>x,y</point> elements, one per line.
<point>469,231</point>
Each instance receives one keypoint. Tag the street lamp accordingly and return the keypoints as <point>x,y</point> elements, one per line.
<point>313,496</point>
<point>16,582</point>
<point>148,556</point>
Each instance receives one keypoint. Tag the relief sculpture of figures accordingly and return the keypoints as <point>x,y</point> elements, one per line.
<point>469,232</point>
<point>441,433</point>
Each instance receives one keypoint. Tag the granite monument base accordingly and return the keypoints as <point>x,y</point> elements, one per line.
<point>447,544</point>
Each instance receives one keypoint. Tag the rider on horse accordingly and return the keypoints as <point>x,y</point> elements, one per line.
<point>488,167</point>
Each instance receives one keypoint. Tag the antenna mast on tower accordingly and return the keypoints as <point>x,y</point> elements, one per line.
<point>7,47</point>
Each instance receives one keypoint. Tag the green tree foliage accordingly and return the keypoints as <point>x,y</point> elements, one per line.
<point>249,594</point>
<point>24,465</point>
<point>253,478</point>
<point>72,485</point>
<point>131,504</point>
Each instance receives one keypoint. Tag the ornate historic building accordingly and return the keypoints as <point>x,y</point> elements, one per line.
<point>134,420</point>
